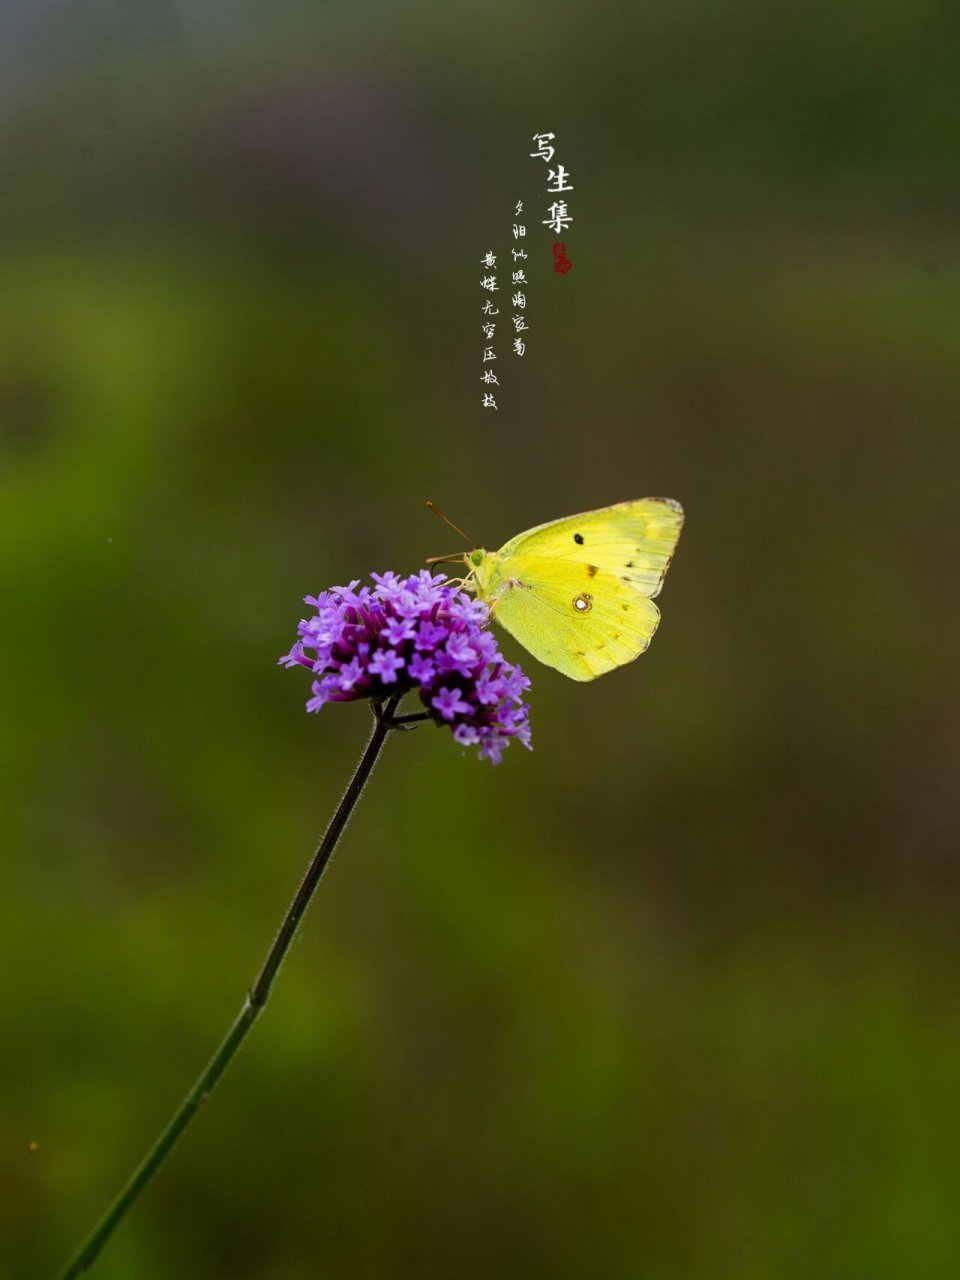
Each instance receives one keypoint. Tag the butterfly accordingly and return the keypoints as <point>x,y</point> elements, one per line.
<point>578,592</point>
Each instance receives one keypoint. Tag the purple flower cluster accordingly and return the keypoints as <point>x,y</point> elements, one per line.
<point>416,633</point>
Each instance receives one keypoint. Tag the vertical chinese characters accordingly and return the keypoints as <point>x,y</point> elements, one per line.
<point>559,217</point>
<point>518,280</point>
<point>488,328</point>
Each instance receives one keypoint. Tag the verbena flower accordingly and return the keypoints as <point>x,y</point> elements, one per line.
<point>415,633</point>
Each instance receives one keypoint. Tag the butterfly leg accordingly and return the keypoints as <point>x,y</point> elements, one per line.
<point>463,583</point>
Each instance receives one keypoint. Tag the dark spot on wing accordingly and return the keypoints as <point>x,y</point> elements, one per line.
<point>578,539</point>
<point>581,653</point>
<point>630,564</point>
<point>624,607</point>
<point>591,569</point>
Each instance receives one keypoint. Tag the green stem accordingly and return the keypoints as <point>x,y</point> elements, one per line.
<point>252,1006</point>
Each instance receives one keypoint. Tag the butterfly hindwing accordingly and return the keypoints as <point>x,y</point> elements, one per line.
<point>582,625</point>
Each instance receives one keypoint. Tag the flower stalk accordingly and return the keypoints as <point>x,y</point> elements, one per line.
<point>415,635</point>
<point>254,1003</point>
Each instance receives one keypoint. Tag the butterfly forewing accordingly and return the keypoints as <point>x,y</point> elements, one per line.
<point>633,540</point>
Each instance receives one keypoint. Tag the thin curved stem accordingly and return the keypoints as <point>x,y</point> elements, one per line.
<point>410,721</point>
<point>250,1011</point>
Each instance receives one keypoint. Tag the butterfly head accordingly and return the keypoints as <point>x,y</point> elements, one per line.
<point>482,568</point>
<point>481,565</point>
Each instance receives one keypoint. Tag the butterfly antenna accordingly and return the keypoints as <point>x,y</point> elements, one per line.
<point>437,512</point>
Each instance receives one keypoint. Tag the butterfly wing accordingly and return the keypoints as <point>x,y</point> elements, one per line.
<point>634,540</point>
<point>578,592</point>
<point>584,626</point>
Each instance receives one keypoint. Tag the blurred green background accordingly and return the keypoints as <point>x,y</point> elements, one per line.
<point>677,994</point>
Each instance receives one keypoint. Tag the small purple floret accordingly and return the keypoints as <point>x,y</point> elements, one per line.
<point>415,634</point>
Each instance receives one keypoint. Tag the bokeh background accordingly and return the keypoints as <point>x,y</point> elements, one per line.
<point>677,994</point>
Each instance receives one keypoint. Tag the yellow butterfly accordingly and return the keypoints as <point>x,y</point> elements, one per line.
<point>578,592</point>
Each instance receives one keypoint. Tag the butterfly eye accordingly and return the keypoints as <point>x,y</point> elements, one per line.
<point>583,602</point>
